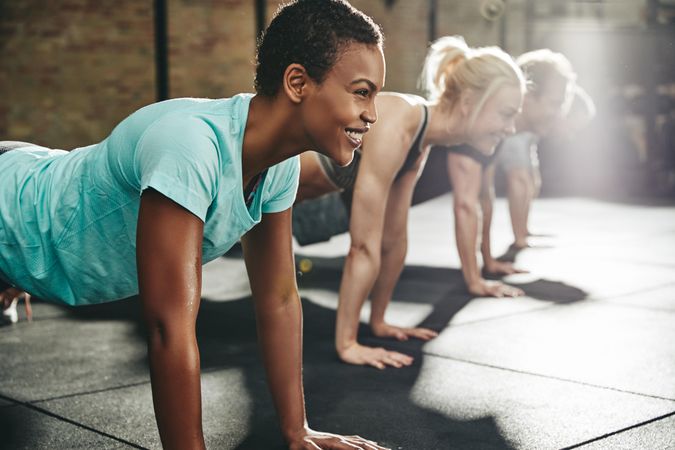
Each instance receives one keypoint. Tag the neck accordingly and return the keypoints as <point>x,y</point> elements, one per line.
<point>521,124</point>
<point>273,134</point>
<point>446,126</point>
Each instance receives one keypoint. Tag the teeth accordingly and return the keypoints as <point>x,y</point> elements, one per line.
<point>354,135</point>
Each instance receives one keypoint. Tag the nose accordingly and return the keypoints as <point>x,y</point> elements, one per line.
<point>369,115</point>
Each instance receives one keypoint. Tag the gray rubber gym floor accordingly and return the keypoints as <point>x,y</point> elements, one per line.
<point>586,359</point>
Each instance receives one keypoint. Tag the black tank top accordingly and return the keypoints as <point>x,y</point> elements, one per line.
<point>416,148</point>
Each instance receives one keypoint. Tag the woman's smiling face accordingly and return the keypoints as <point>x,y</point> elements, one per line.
<point>496,119</point>
<point>342,107</point>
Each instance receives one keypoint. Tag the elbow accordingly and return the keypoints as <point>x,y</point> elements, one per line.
<point>364,251</point>
<point>399,243</point>
<point>163,333</point>
<point>271,304</point>
<point>158,332</point>
<point>464,207</point>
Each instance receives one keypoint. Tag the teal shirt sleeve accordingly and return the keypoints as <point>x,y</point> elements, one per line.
<point>178,157</point>
<point>286,180</point>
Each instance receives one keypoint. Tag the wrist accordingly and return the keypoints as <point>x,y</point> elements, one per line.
<point>488,259</point>
<point>376,321</point>
<point>476,283</point>
<point>474,278</point>
<point>341,345</point>
<point>293,434</point>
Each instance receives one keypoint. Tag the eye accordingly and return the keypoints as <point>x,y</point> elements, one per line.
<point>362,92</point>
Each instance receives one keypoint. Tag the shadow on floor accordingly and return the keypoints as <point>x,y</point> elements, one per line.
<point>423,284</point>
<point>341,398</point>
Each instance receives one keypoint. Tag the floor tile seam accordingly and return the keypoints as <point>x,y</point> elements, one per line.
<point>502,316</point>
<point>623,430</point>
<point>632,262</point>
<point>53,415</point>
<point>98,391</point>
<point>91,392</point>
<point>618,304</point>
<point>548,377</point>
<point>10,327</point>
<point>596,253</point>
<point>631,293</point>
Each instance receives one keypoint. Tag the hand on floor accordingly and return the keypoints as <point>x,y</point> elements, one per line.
<point>10,299</point>
<point>377,357</point>
<point>494,289</point>
<point>402,334</point>
<point>314,440</point>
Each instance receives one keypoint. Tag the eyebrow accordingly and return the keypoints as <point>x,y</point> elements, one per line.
<point>370,84</point>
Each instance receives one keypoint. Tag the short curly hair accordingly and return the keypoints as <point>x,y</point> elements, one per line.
<point>311,33</point>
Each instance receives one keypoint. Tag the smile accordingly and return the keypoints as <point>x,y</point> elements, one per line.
<point>355,136</point>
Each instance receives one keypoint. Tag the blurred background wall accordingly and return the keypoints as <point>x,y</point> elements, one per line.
<point>72,69</point>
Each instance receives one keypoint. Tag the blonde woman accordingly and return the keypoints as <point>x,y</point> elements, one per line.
<point>474,97</point>
<point>552,80</point>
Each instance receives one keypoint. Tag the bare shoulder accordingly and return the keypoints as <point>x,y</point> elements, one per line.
<point>399,113</point>
<point>399,104</point>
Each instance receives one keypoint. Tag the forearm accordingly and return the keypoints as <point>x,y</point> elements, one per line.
<point>176,386</point>
<point>280,336</point>
<point>466,234</point>
<point>393,260</point>
<point>487,201</point>
<point>360,271</point>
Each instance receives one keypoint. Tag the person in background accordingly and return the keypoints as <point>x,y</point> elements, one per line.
<point>550,91</point>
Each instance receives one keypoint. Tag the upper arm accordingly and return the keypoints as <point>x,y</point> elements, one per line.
<point>377,170</point>
<point>268,253</point>
<point>178,156</point>
<point>284,185</point>
<point>465,176</point>
<point>169,258</point>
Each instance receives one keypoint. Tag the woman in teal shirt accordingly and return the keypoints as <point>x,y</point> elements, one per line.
<point>101,223</point>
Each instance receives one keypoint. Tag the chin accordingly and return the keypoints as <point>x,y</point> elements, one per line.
<point>346,158</point>
<point>342,157</point>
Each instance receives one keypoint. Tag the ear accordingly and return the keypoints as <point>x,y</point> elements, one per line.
<point>467,102</point>
<point>296,82</point>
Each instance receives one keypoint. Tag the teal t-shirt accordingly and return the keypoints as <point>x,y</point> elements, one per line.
<point>68,219</point>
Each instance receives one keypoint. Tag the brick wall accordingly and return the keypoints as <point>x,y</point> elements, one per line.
<point>72,69</point>
<point>211,47</point>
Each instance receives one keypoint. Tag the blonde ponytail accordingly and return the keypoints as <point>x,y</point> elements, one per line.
<point>444,55</point>
<point>452,66</point>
